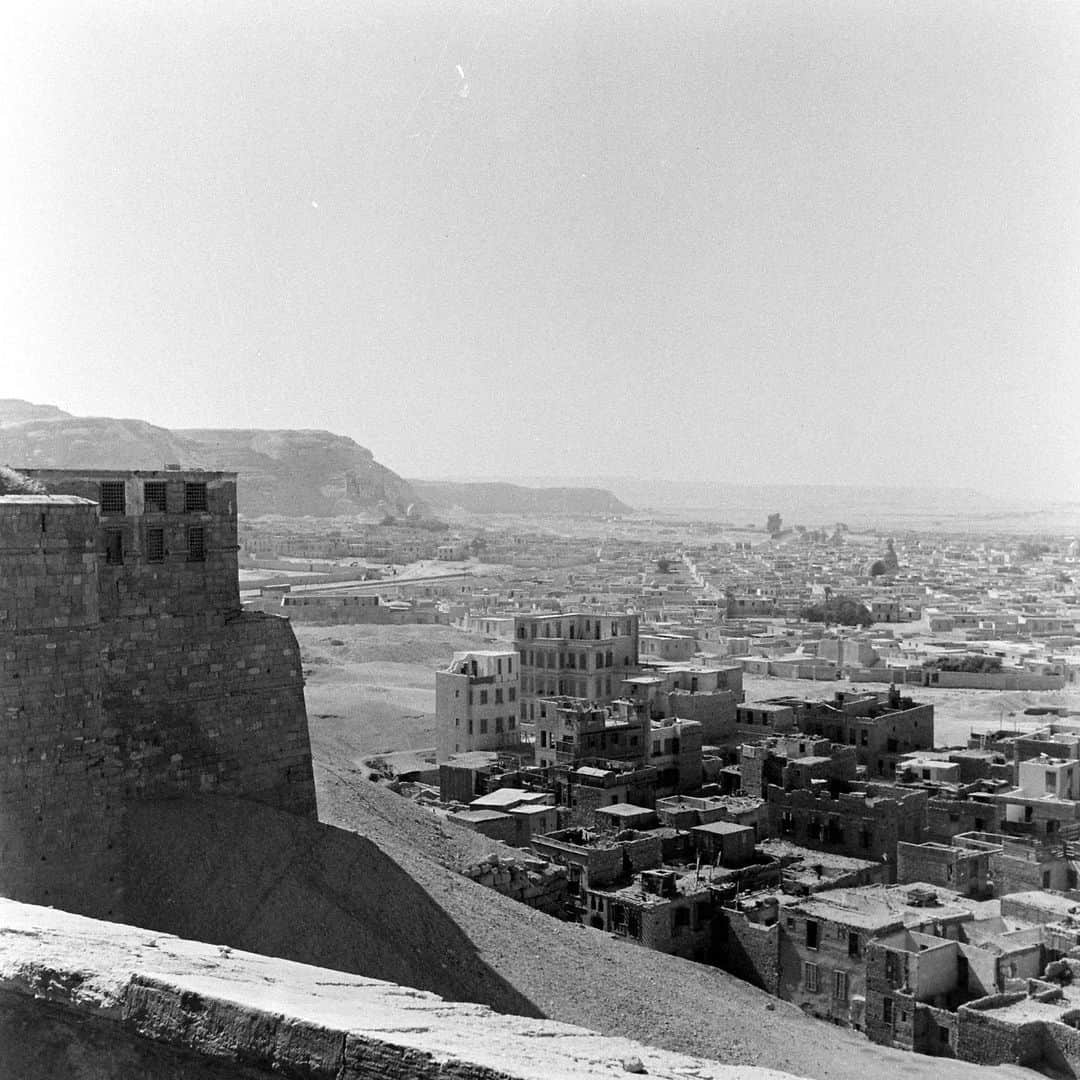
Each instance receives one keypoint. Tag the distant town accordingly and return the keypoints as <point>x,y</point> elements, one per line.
<point>839,766</point>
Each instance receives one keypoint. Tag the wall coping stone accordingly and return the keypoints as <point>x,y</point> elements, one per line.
<point>235,1006</point>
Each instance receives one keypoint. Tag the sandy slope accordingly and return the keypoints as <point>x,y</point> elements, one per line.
<point>371,689</point>
<point>583,976</point>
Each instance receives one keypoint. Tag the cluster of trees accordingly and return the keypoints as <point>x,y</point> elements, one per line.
<point>981,665</point>
<point>14,483</point>
<point>841,610</point>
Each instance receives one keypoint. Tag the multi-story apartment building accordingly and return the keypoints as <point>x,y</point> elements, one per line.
<point>573,655</point>
<point>572,729</point>
<point>476,702</point>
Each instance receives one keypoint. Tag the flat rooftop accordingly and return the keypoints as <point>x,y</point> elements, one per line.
<point>624,809</point>
<point>507,796</point>
<point>873,906</point>
<point>46,500</point>
<point>722,828</point>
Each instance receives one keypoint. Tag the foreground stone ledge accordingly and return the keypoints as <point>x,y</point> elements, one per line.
<point>271,1016</point>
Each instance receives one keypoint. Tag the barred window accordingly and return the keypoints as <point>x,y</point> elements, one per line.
<point>196,544</point>
<point>195,498</point>
<point>154,499</point>
<point>112,497</point>
<point>155,545</point>
<point>114,547</point>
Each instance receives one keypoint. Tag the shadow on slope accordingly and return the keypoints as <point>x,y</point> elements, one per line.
<point>582,976</point>
<point>245,875</point>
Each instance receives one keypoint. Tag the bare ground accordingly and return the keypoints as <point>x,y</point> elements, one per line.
<point>371,689</point>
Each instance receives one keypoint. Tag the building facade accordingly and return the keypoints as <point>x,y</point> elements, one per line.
<point>476,702</point>
<point>574,655</point>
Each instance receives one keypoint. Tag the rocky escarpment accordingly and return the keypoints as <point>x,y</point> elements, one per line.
<point>497,498</point>
<point>304,472</point>
<point>293,473</point>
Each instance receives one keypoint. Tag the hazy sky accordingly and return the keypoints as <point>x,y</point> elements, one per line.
<point>775,242</point>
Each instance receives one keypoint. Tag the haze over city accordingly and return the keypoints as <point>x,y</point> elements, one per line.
<point>749,242</point>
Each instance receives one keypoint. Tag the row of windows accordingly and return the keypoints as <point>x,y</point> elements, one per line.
<point>565,687</point>
<point>750,717</point>
<point>590,742</point>
<point>510,723</point>
<point>511,695</point>
<point>555,630</point>
<point>812,981</point>
<point>113,497</point>
<point>154,548</point>
<point>572,660</point>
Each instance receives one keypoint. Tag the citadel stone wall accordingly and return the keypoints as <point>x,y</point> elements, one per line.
<point>128,670</point>
<point>214,704</point>
<point>59,810</point>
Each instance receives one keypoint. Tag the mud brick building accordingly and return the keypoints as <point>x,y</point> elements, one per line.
<point>965,869</point>
<point>595,784</point>
<point>963,809</point>
<point>1017,864</point>
<point>570,729</point>
<point>128,671</point>
<point>825,939</point>
<point>881,727</point>
<point>866,821</point>
<point>793,761</point>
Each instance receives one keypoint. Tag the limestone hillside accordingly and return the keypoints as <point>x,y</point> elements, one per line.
<point>482,498</point>
<point>292,473</point>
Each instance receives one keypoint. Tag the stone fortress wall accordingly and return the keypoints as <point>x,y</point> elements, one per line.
<point>59,773</point>
<point>130,671</point>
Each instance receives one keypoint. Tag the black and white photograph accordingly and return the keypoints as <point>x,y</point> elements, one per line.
<point>540,539</point>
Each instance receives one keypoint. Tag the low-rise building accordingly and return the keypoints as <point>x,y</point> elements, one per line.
<point>866,821</point>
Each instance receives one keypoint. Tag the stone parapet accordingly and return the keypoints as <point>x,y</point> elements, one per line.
<point>117,998</point>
